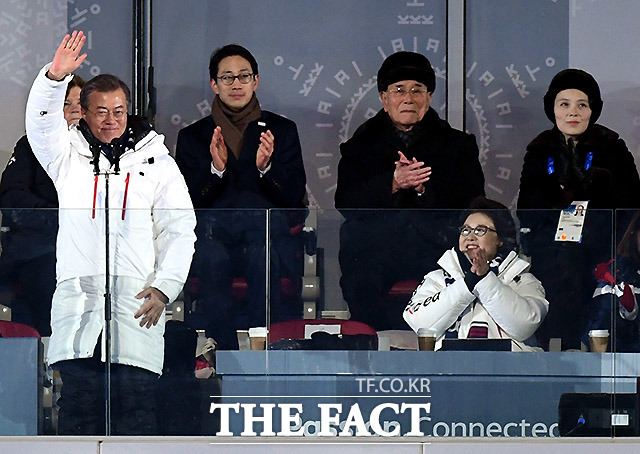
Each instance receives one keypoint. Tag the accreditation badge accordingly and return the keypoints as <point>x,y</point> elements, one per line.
<point>571,222</point>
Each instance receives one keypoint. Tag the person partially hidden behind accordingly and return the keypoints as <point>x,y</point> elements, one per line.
<point>403,159</point>
<point>29,205</point>
<point>615,300</point>
<point>482,289</point>
<point>238,162</point>
<point>151,238</point>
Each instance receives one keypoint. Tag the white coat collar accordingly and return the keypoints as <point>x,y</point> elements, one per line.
<point>141,151</point>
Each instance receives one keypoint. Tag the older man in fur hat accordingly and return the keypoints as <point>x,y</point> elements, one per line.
<point>403,157</point>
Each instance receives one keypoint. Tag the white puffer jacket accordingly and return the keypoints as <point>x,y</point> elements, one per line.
<point>151,222</point>
<point>512,304</point>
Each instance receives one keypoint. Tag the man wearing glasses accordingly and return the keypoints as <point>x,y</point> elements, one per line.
<point>240,157</point>
<point>116,161</point>
<point>405,157</point>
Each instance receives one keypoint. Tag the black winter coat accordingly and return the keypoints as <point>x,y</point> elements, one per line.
<point>241,186</point>
<point>29,205</point>
<point>610,181</point>
<point>365,172</point>
<point>24,182</point>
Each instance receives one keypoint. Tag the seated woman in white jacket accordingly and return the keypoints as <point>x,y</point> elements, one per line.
<point>483,289</point>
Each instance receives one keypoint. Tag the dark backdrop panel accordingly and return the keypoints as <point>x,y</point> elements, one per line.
<point>513,49</point>
<point>318,61</point>
<point>109,29</point>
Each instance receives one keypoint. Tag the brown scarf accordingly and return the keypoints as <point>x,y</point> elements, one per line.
<point>234,122</point>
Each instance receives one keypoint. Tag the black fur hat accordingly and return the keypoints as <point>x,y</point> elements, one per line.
<point>406,66</point>
<point>579,80</point>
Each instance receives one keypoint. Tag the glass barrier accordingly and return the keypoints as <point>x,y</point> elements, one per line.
<point>325,343</point>
<point>618,285</point>
<point>508,360</point>
<point>615,308</point>
<point>226,290</point>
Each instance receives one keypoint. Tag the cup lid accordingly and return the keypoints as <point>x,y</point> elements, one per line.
<point>599,333</point>
<point>260,331</point>
<point>426,332</point>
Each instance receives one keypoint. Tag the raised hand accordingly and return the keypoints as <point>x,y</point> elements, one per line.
<point>218,150</point>
<point>67,58</point>
<point>265,150</point>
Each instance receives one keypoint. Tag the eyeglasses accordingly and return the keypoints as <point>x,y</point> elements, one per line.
<point>227,79</point>
<point>102,114</point>
<point>401,92</point>
<point>480,230</point>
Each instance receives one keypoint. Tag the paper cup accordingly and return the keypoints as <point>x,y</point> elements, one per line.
<point>243,339</point>
<point>598,340</point>
<point>426,340</point>
<point>258,338</point>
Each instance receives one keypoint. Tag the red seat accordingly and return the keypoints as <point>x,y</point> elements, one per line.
<point>14,329</point>
<point>403,288</point>
<point>239,288</point>
<point>294,329</point>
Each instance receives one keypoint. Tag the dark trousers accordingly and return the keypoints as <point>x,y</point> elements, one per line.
<point>34,281</point>
<point>382,248</point>
<point>233,244</point>
<point>82,399</point>
<point>566,271</point>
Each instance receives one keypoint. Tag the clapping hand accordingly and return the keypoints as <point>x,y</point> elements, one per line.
<point>265,150</point>
<point>218,150</point>
<point>479,262</point>
<point>410,174</point>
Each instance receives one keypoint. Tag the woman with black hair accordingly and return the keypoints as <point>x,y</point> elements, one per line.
<point>483,289</point>
<point>577,159</point>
